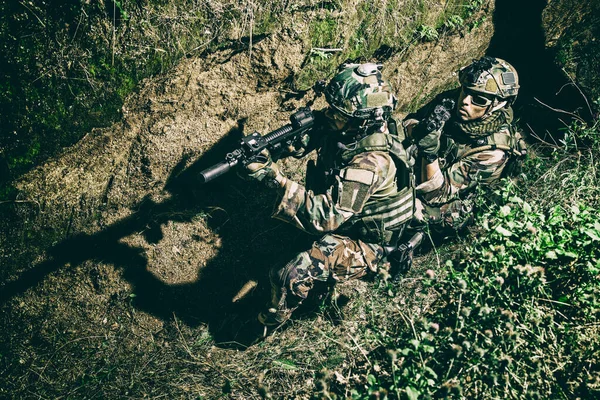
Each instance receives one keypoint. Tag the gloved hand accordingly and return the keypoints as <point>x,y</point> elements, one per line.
<point>430,143</point>
<point>298,148</point>
<point>263,169</point>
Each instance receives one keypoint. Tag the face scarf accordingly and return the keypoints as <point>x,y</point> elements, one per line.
<point>485,127</point>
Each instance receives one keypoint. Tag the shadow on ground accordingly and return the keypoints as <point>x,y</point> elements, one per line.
<point>251,243</point>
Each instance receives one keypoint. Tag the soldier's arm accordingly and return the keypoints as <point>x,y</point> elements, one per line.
<point>319,213</point>
<point>441,187</point>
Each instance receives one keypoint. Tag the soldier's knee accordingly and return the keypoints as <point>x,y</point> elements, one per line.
<point>294,270</point>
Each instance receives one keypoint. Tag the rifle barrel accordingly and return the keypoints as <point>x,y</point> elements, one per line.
<point>216,170</point>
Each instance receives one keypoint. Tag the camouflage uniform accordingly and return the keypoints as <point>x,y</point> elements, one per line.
<point>357,197</point>
<point>470,153</point>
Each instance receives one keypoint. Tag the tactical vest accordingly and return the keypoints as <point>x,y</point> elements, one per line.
<point>507,139</point>
<point>384,216</point>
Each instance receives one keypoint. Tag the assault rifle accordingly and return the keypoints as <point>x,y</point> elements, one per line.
<point>252,145</point>
<point>434,121</point>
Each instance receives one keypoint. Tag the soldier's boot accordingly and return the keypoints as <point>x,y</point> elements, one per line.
<point>273,317</point>
<point>258,329</point>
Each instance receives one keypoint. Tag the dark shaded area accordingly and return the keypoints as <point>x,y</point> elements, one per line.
<point>235,211</point>
<point>519,38</point>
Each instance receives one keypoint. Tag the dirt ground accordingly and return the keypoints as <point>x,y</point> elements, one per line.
<point>122,268</point>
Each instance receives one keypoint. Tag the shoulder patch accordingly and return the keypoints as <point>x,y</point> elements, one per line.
<point>354,185</point>
<point>363,176</point>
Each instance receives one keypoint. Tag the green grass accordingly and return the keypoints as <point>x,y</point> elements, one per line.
<point>516,307</point>
<point>68,69</point>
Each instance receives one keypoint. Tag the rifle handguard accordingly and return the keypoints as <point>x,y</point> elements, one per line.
<point>252,145</point>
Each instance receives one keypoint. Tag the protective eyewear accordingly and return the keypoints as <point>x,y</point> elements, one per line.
<point>477,98</point>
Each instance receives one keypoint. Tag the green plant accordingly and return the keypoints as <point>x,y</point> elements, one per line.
<point>454,22</point>
<point>426,33</point>
<point>509,311</point>
<point>323,32</point>
<point>516,308</point>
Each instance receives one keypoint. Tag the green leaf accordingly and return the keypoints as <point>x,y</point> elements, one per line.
<point>412,393</point>
<point>592,234</point>
<point>371,380</point>
<point>406,351</point>
<point>570,254</point>
<point>428,349</point>
<point>503,231</point>
<point>286,364</point>
<point>505,211</point>
<point>431,372</point>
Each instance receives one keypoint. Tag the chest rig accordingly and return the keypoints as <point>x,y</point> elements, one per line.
<point>386,212</point>
<point>455,146</point>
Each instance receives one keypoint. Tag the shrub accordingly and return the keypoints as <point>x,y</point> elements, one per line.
<point>511,314</point>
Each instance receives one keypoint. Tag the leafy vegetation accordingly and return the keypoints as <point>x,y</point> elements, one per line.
<point>378,31</point>
<point>67,68</point>
<point>515,312</point>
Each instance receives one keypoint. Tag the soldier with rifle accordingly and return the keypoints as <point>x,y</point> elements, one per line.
<point>358,196</point>
<point>362,196</point>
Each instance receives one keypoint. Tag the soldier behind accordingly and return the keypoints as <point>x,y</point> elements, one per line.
<point>361,201</point>
<point>472,148</point>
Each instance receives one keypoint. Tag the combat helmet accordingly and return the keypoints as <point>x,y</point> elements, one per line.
<point>359,91</point>
<point>491,76</point>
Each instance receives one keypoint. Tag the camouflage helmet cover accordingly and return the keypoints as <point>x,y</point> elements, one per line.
<point>359,91</point>
<point>492,76</point>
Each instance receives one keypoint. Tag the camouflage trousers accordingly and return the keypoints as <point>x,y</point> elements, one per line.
<point>333,258</point>
<point>450,217</point>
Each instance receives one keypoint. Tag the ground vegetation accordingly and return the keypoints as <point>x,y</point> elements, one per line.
<point>119,271</point>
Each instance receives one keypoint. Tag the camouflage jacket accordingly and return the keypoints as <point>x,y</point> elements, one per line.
<point>359,198</point>
<point>461,169</point>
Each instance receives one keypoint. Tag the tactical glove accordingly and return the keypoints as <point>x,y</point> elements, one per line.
<point>263,169</point>
<point>429,145</point>
<point>427,142</point>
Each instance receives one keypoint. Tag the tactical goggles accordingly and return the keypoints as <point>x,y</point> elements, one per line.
<point>477,98</point>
